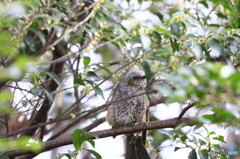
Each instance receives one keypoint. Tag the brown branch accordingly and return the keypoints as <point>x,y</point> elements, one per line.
<point>97,109</point>
<point>190,105</point>
<point>41,114</point>
<point>170,123</point>
<point>87,128</point>
<point>157,101</point>
<point>100,109</point>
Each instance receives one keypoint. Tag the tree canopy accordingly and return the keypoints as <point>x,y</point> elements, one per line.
<point>60,61</point>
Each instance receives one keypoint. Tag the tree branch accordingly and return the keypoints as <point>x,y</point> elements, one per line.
<point>41,114</point>
<point>100,109</point>
<point>190,105</point>
<point>90,112</point>
<point>170,123</point>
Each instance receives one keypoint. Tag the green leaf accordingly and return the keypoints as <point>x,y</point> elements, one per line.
<point>78,80</point>
<point>77,138</point>
<point>135,50</point>
<point>220,138</point>
<point>163,52</point>
<point>176,148</point>
<point>217,147</point>
<point>87,136</point>
<point>223,114</point>
<point>98,90</point>
<point>202,143</point>
<point>164,31</point>
<point>192,155</point>
<point>55,10</point>
<point>175,45</point>
<point>67,155</point>
<point>21,143</point>
<point>212,133</point>
<point>197,49</point>
<point>97,155</point>
<point>24,103</point>
<point>175,30</point>
<point>147,70</point>
<point>54,77</point>
<point>60,4</point>
<point>42,15</point>
<point>86,61</point>
<point>203,154</point>
<point>60,155</point>
<point>91,142</point>
<point>158,58</point>
<point>221,15</point>
<point>197,126</point>
<point>72,154</point>
<point>204,3</point>
<point>195,140</point>
<point>210,117</point>
<point>89,82</point>
<point>183,138</point>
<point>40,35</point>
<point>216,47</point>
<point>200,135</point>
<point>159,15</point>
<point>92,74</point>
<point>104,68</point>
<point>49,94</point>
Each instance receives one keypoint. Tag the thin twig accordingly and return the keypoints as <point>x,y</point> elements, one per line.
<point>212,11</point>
<point>190,105</point>
<point>234,8</point>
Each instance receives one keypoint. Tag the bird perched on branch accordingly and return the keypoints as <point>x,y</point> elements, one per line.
<point>130,111</point>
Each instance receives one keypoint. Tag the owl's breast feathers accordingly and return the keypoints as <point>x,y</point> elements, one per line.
<point>130,109</point>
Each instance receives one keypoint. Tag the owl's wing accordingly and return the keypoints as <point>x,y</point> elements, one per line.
<point>113,108</point>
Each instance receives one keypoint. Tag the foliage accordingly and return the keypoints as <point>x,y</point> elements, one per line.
<point>200,141</point>
<point>78,138</point>
<point>58,57</point>
<point>22,143</point>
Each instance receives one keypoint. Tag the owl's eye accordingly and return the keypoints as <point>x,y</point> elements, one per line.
<point>139,77</point>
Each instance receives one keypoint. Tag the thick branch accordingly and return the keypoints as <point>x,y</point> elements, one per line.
<point>100,109</point>
<point>80,115</point>
<point>170,123</point>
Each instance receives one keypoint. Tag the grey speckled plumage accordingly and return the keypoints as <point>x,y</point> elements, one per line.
<point>131,110</point>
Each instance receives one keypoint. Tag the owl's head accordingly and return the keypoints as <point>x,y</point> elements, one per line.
<point>136,77</point>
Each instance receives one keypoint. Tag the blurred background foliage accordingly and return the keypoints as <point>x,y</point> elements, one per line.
<point>65,57</point>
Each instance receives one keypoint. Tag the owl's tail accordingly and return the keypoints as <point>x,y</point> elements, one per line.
<point>135,148</point>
